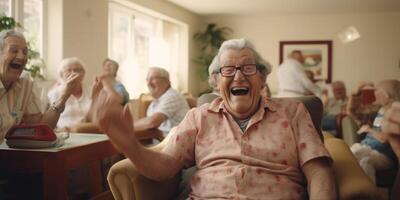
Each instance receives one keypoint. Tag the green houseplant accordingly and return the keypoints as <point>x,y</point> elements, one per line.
<point>35,63</point>
<point>209,41</point>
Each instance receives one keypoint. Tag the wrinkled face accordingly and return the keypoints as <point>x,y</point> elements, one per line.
<point>156,83</point>
<point>110,68</point>
<point>241,94</point>
<point>13,59</point>
<point>73,68</point>
<point>339,91</point>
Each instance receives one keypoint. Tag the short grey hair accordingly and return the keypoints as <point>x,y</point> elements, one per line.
<point>4,34</point>
<point>238,44</point>
<point>163,72</point>
<point>69,61</point>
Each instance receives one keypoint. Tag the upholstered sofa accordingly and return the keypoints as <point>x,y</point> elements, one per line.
<point>351,182</point>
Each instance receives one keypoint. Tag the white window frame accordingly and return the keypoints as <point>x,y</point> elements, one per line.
<point>184,32</point>
<point>17,12</point>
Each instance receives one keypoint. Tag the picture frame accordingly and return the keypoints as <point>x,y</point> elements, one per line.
<point>317,56</point>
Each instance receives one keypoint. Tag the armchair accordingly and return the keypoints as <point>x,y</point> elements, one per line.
<point>351,182</point>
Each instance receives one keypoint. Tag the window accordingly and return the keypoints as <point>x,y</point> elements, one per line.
<point>5,7</point>
<point>139,40</point>
<point>29,13</point>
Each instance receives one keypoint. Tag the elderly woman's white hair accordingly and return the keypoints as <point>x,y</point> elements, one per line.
<point>8,33</point>
<point>69,61</point>
<point>264,67</point>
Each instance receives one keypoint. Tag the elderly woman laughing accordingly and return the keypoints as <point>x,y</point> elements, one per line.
<point>18,102</point>
<point>244,146</point>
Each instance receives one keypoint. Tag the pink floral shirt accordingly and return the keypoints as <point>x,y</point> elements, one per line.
<point>263,162</point>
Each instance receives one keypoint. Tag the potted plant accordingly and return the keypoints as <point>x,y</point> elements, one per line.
<point>209,40</point>
<point>35,63</point>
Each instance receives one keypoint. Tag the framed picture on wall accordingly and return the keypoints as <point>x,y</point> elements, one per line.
<point>317,56</point>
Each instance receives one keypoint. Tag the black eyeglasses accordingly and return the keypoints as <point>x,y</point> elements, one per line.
<point>246,69</point>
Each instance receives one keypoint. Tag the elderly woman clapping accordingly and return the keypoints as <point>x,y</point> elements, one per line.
<point>19,104</point>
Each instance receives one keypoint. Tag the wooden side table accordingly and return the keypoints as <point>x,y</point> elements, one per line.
<point>54,163</point>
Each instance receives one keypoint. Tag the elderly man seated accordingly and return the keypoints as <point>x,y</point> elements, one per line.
<point>244,146</point>
<point>168,108</point>
<point>334,106</point>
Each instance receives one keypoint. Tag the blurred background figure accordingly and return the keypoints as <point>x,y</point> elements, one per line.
<point>77,106</point>
<point>292,79</point>
<point>110,67</point>
<point>361,106</point>
<point>212,81</point>
<point>374,151</point>
<point>334,106</point>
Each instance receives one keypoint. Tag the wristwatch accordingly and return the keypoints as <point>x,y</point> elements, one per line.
<point>57,109</point>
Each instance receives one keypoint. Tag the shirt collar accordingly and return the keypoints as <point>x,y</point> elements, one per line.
<point>218,104</point>
<point>17,84</point>
<point>163,94</point>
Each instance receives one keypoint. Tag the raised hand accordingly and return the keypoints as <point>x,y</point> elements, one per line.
<point>110,116</point>
<point>70,83</point>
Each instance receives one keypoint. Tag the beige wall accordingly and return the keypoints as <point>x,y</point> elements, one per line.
<point>54,30</point>
<point>79,28</point>
<point>375,56</point>
<point>81,31</point>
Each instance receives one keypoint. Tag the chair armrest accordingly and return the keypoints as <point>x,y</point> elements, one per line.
<point>351,181</point>
<point>349,131</point>
<point>126,183</point>
<point>86,127</point>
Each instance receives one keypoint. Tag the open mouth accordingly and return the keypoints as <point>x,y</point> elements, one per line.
<point>15,66</point>
<point>239,91</point>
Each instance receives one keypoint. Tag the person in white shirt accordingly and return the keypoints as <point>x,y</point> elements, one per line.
<point>168,108</point>
<point>293,81</point>
<point>79,102</point>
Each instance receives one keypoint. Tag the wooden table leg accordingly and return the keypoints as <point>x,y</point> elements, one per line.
<point>54,179</point>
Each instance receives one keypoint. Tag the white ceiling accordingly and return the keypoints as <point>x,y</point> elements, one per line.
<point>287,7</point>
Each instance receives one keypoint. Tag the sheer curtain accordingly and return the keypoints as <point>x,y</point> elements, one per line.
<point>138,41</point>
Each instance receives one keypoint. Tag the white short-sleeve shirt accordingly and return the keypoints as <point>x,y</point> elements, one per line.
<point>173,105</point>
